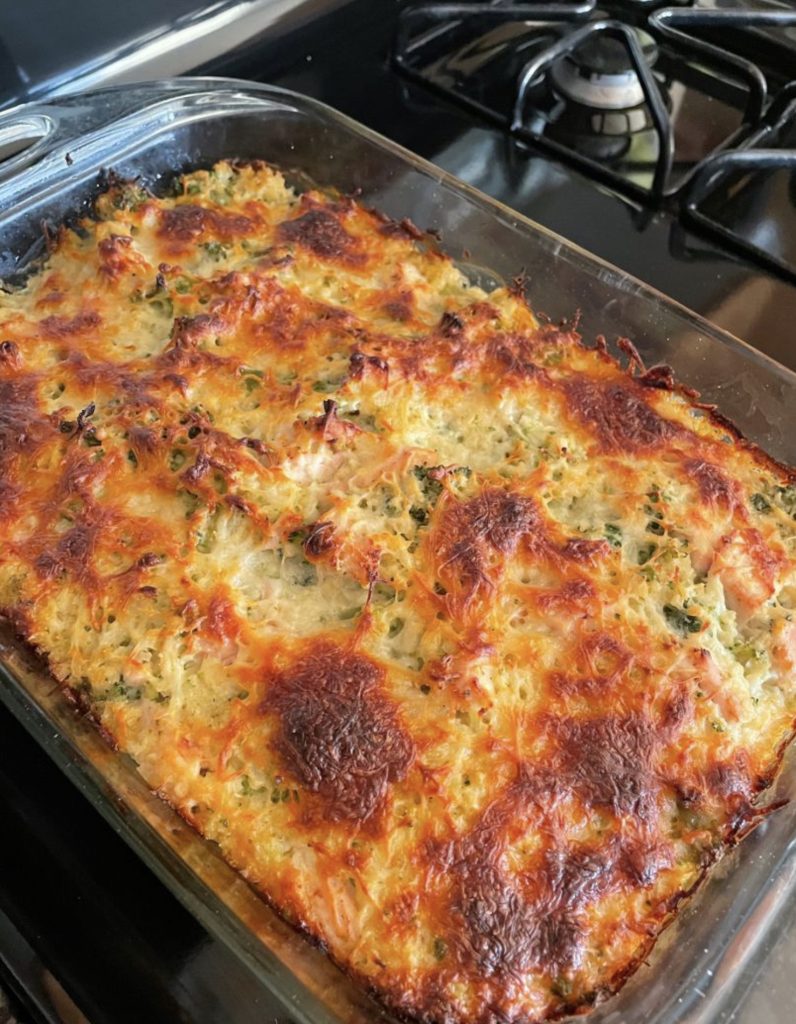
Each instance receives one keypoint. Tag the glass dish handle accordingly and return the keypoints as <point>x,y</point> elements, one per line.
<point>32,131</point>
<point>36,137</point>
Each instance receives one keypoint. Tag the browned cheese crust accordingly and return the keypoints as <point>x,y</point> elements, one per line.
<point>471,649</point>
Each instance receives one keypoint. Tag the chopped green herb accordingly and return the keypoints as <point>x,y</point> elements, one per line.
<point>746,652</point>
<point>247,789</point>
<point>304,573</point>
<point>440,949</point>
<point>430,487</point>
<point>192,503</point>
<point>787,498</point>
<point>680,621</point>
<point>646,551</point>
<point>419,514</point>
<point>177,460</point>
<point>395,627</point>
<point>388,497</point>
<point>129,197</point>
<point>164,306</point>
<point>90,439</point>
<point>561,987</point>
<point>206,539</point>
<point>365,421</point>
<point>326,386</point>
<point>120,690</point>
<point>760,503</point>
<point>215,250</point>
<point>132,458</point>
<point>653,526</point>
<point>613,534</point>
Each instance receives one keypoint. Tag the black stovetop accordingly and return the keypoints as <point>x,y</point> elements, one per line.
<point>73,899</point>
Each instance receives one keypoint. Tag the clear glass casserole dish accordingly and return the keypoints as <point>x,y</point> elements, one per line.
<point>722,938</point>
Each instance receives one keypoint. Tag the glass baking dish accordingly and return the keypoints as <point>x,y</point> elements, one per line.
<point>724,936</point>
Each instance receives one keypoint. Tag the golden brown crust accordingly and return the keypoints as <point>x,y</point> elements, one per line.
<point>471,649</point>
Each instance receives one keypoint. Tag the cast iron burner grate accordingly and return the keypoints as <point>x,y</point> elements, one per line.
<point>648,99</point>
<point>735,197</point>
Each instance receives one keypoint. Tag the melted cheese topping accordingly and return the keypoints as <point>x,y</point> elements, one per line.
<point>469,648</point>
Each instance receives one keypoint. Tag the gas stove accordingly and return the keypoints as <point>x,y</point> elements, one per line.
<point>659,136</point>
<point>673,107</point>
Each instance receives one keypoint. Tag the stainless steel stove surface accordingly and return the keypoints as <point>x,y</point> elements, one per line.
<point>639,142</point>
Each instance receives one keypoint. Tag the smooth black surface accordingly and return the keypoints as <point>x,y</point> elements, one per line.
<point>119,943</point>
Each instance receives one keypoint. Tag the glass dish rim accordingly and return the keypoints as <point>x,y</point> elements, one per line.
<point>174,91</point>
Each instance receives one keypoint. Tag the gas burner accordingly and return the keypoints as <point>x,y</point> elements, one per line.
<point>600,74</point>
<point>622,89</point>
<point>604,135</point>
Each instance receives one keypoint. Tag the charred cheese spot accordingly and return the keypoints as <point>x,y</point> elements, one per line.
<point>608,762</point>
<point>73,553</point>
<point>475,536</point>
<point>186,223</point>
<point>321,232</point>
<point>715,487</point>
<point>22,425</point>
<point>515,356</point>
<point>618,415</point>
<point>400,307</point>
<point>339,735</point>
<point>319,539</point>
<point>506,935</point>
<point>64,327</point>
<point>578,549</point>
<point>117,256</point>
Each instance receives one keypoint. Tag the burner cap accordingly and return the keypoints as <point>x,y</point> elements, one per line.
<point>600,73</point>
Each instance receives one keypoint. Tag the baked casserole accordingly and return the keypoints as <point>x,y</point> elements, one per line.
<point>471,648</point>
